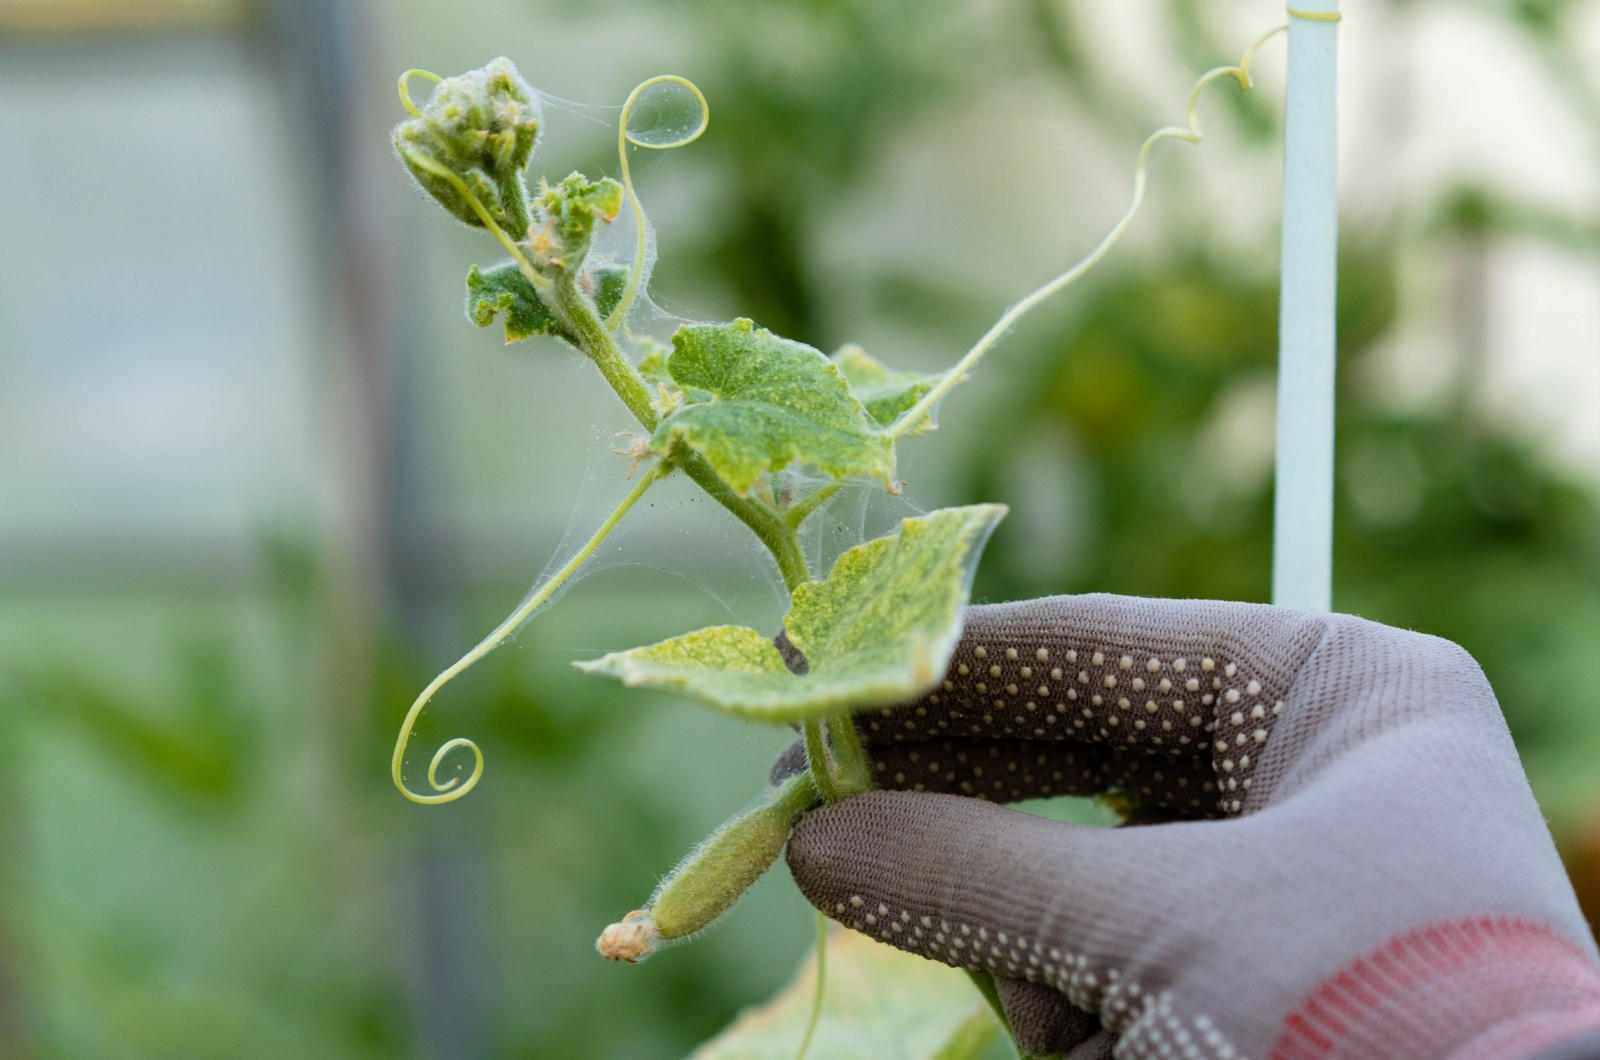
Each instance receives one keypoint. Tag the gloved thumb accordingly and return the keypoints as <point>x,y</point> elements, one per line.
<point>982,887</point>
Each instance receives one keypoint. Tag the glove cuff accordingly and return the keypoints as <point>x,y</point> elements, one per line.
<point>1482,988</point>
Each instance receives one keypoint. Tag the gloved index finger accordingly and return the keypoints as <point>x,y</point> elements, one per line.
<point>1180,679</point>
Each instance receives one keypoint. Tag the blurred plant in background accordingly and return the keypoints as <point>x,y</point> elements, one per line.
<point>204,856</point>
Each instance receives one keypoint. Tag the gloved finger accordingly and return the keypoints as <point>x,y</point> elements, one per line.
<point>1200,680</point>
<point>982,887</point>
<point>790,760</point>
<point>1097,1047</point>
<point>1043,1022</point>
<point>1012,770</point>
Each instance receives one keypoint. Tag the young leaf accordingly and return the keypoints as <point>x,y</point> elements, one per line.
<point>878,630</point>
<point>878,1002</point>
<point>564,217</point>
<point>765,402</point>
<point>884,393</point>
<point>503,289</point>
<point>653,365</point>
<point>653,370</point>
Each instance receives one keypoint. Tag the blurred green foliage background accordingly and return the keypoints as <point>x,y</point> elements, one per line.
<point>204,856</point>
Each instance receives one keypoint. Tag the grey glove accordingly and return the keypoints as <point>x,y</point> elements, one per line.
<point>1363,871</point>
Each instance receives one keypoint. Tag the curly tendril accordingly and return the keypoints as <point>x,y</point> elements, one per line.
<point>405,90</point>
<point>444,172</point>
<point>662,113</point>
<point>455,787</point>
<point>1189,133</point>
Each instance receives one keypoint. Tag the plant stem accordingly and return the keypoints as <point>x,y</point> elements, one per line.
<point>817,762</point>
<point>852,773</point>
<point>766,524</point>
<point>800,512</point>
<point>985,984</point>
<point>448,791</point>
<point>574,309</point>
<point>514,198</point>
<point>822,983</point>
<point>578,313</point>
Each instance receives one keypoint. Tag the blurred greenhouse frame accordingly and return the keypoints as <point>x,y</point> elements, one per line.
<point>259,480</point>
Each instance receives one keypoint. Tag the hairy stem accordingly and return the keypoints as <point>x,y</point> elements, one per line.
<point>578,312</point>
<point>575,309</point>
<point>801,511</point>
<point>853,775</point>
<point>514,198</point>
<point>817,762</point>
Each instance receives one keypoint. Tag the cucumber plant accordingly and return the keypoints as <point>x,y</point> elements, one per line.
<point>735,409</point>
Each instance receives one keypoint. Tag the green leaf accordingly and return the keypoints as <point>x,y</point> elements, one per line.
<point>885,393</point>
<point>759,402</point>
<point>878,630</point>
<point>503,289</point>
<point>878,1002</point>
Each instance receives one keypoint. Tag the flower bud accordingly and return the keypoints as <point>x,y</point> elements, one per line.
<point>482,127</point>
<point>564,217</point>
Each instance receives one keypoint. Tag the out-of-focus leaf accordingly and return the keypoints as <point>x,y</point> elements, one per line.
<point>878,1003</point>
<point>883,392</point>
<point>758,402</point>
<point>878,630</point>
<point>196,745</point>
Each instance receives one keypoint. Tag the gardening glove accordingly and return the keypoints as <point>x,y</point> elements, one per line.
<point>1362,871</point>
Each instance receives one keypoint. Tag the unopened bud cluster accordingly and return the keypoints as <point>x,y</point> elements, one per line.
<point>482,127</point>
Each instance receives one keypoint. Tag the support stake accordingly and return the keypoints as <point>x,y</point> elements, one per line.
<point>1302,532</point>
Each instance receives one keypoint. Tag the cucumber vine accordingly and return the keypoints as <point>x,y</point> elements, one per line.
<point>730,406</point>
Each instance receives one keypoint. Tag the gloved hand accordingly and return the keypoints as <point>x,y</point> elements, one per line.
<point>1362,870</point>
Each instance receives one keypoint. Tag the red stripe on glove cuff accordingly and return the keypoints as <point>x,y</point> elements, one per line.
<point>1483,988</point>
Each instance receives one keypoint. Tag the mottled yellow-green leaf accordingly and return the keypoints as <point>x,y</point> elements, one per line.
<point>885,393</point>
<point>742,661</point>
<point>879,1004</point>
<point>503,289</point>
<point>878,630</point>
<point>758,402</point>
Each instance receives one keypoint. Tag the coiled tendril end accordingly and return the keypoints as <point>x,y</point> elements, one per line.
<point>680,115</point>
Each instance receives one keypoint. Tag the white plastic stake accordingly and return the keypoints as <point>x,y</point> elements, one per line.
<point>1302,531</point>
